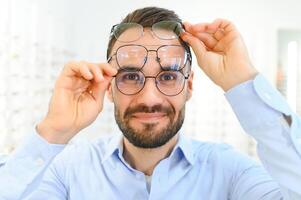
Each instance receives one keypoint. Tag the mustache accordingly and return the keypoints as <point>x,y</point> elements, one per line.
<point>147,109</point>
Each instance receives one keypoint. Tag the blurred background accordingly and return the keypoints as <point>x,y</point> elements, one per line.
<point>38,36</point>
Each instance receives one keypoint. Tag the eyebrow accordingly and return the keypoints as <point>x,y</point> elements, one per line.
<point>129,68</point>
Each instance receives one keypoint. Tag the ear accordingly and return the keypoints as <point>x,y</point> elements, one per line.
<point>190,85</point>
<point>109,92</point>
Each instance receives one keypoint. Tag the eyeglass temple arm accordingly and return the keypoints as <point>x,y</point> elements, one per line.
<point>112,29</point>
<point>181,28</point>
<point>109,59</point>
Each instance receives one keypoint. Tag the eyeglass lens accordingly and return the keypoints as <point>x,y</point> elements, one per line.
<point>170,57</point>
<point>131,82</point>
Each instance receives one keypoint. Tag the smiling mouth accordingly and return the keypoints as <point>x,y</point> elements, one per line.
<point>149,117</point>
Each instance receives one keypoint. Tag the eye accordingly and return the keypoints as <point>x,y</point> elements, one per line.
<point>130,77</point>
<point>168,76</point>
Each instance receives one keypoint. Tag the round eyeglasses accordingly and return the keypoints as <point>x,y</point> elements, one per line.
<point>169,57</point>
<point>165,30</point>
<point>131,82</point>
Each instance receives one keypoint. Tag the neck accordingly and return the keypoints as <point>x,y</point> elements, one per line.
<point>145,160</point>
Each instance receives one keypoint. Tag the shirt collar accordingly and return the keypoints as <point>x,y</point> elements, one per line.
<point>114,145</point>
<point>184,147</point>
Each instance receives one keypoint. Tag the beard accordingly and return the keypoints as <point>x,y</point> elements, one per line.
<point>148,136</point>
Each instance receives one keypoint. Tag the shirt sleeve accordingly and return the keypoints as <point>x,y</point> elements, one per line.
<point>21,172</point>
<point>260,109</point>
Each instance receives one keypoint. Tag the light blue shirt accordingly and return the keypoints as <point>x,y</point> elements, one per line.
<point>194,170</point>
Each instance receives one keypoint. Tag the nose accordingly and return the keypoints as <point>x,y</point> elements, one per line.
<point>150,95</point>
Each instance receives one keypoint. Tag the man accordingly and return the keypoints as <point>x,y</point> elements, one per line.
<point>148,77</point>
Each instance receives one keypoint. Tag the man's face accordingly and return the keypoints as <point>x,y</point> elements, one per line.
<point>149,118</point>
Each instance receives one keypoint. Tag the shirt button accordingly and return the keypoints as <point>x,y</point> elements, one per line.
<point>39,161</point>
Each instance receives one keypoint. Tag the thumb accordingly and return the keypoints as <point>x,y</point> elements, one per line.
<point>98,89</point>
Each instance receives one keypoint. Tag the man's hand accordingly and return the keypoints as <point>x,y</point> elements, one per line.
<point>220,52</point>
<point>77,100</point>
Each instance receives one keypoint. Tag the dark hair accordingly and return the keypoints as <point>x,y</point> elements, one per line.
<point>147,17</point>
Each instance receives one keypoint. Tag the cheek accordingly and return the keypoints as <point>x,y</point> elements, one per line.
<point>178,102</point>
<point>120,101</point>
<point>187,92</point>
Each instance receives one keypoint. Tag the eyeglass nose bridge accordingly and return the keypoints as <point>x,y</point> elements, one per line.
<point>156,54</point>
<point>152,77</point>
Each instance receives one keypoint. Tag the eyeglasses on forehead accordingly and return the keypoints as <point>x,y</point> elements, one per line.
<point>130,32</point>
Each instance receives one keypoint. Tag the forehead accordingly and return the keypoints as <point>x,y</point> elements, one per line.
<point>149,40</point>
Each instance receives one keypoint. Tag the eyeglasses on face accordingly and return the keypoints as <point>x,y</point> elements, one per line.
<point>169,82</point>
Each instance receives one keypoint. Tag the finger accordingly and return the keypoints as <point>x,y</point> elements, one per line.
<point>223,24</point>
<point>219,34</point>
<point>97,72</point>
<point>201,27</point>
<point>72,69</point>
<point>188,27</point>
<point>107,69</point>
<point>196,28</point>
<point>214,27</point>
<point>207,39</point>
<point>197,45</point>
<point>98,89</point>
<point>101,70</point>
<point>226,33</point>
<point>80,85</point>
<point>75,84</point>
<point>89,71</point>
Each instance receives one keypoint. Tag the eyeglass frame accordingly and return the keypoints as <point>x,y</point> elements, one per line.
<point>154,77</point>
<point>180,24</point>
<point>187,55</point>
<point>187,52</point>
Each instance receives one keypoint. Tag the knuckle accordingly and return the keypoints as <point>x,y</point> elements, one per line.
<point>83,66</point>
